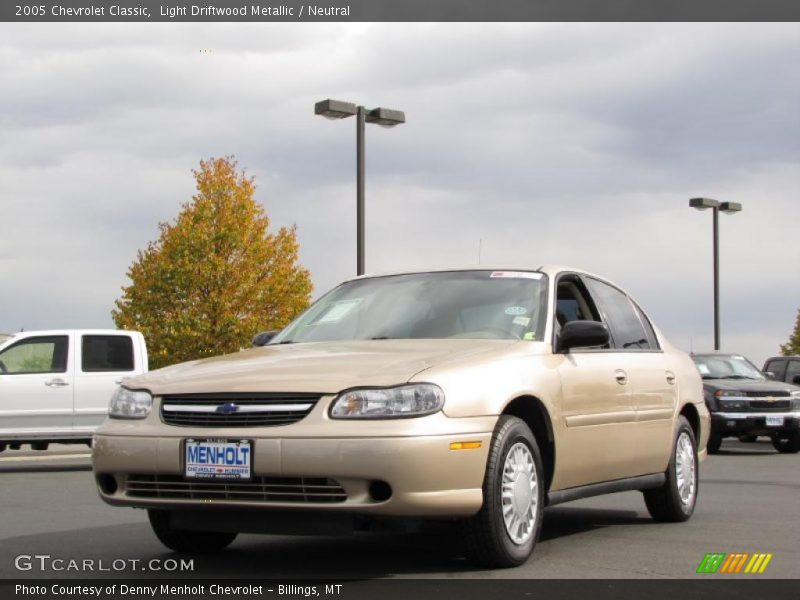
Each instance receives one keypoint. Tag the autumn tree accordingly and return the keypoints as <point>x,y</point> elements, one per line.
<point>215,276</point>
<point>792,347</point>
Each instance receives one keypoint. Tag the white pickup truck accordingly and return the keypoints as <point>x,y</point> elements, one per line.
<point>55,385</point>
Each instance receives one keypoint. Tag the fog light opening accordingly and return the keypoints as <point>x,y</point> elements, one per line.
<point>380,491</point>
<point>107,484</point>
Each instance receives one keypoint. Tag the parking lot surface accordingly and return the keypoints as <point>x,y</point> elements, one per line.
<point>748,503</point>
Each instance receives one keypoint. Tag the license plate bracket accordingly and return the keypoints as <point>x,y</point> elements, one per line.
<point>774,421</point>
<point>217,459</point>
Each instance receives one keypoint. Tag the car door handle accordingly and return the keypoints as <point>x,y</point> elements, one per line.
<point>57,382</point>
<point>622,376</point>
<point>670,378</point>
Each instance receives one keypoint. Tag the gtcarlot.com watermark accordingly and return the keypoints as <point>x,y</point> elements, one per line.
<point>47,562</point>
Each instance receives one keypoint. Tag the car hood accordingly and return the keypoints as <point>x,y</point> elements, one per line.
<point>745,385</point>
<point>321,367</point>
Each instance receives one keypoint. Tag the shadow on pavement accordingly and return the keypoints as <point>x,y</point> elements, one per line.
<point>438,549</point>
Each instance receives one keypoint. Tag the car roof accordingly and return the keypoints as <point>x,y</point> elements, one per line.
<point>547,269</point>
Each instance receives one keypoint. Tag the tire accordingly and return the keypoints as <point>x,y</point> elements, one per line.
<point>714,442</point>
<point>490,539</point>
<point>675,500</point>
<point>788,443</point>
<point>182,540</point>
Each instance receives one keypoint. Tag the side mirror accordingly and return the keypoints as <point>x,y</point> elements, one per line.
<point>263,338</point>
<point>769,374</point>
<point>796,380</point>
<point>582,334</point>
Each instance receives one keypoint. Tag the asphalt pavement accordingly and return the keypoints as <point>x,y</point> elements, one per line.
<point>748,503</point>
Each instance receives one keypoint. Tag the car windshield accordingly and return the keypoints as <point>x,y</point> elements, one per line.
<point>726,366</point>
<point>453,304</point>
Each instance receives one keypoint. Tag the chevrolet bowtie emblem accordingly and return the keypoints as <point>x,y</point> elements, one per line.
<point>227,409</point>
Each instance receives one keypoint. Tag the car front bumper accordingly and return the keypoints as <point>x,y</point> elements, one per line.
<point>735,423</point>
<point>426,478</point>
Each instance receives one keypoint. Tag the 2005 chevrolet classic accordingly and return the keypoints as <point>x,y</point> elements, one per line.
<point>477,396</point>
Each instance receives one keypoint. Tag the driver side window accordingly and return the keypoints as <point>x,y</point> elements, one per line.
<point>35,355</point>
<point>573,303</point>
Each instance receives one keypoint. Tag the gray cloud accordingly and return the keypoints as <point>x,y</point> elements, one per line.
<point>575,144</point>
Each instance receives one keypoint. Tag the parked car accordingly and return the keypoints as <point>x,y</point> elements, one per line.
<point>744,403</point>
<point>475,396</point>
<point>55,385</point>
<point>783,368</point>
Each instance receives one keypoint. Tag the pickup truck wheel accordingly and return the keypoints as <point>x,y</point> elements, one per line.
<point>714,442</point>
<point>505,530</point>
<point>787,443</point>
<point>182,540</point>
<point>675,500</point>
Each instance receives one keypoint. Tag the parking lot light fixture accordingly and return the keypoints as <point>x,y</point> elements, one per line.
<point>385,117</point>
<point>728,208</point>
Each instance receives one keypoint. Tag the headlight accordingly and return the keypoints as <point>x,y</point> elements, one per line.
<point>724,393</point>
<point>796,400</point>
<point>414,400</point>
<point>130,404</point>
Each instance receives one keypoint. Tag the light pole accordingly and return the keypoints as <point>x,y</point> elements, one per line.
<point>385,117</point>
<point>715,206</point>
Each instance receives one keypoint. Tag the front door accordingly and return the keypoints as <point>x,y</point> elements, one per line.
<point>36,387</point>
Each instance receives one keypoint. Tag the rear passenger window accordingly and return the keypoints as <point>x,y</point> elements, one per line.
<point>107,353</point>
<point>621,317</point>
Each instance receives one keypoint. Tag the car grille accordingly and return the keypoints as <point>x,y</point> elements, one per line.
<point>259,489</point>
<point>236,410</point>
<point>759,394</point>
<point>777,405</point>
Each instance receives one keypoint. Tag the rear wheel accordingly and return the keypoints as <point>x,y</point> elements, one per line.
<point>676,499</point>
<point>506,529</point>
<point>184,540</point>
<point>788,443</point>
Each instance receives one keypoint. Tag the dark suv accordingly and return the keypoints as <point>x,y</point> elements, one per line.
<point>744,403</point>
<point>783,368</point>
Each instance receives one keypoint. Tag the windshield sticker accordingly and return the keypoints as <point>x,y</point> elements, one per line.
<point>703,369</point>
<point>530,335</point>
<point>524,321</point>
<point>339,310</point>
<point>516,310</point>
<point>515,275</point>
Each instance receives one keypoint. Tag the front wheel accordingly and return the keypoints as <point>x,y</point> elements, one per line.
<point>505,530</point>
<point>676,499</point>
<point>788,443</point>
<point>184,540</point>
<point>714,442</point>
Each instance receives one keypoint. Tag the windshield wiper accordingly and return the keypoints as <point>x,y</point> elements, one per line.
<point>737,377</point>
<point>381,337</point>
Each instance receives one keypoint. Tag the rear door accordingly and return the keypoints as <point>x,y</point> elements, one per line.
<point>105,359</point>
<point>649,379</point>
<point>36,386</point>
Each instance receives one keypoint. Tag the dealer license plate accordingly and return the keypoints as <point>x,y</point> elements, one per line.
<point>774,421</point>
<point>217,459</point>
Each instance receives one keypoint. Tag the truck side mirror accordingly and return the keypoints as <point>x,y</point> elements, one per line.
<point>263,338</point>
<point>582,334</point>
<point>769,374</point>
<point>796,380</point>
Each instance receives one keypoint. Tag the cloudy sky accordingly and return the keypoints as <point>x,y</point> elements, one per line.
<point>577,144</point>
